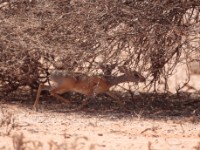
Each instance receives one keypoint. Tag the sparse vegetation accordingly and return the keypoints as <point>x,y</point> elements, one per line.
<point>8,121</point>
<point>149,36</point>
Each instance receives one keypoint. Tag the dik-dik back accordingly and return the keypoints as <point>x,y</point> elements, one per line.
<point>80,83</point>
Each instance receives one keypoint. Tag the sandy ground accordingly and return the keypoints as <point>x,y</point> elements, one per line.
<point>148,122</point>
<point>22,128</point>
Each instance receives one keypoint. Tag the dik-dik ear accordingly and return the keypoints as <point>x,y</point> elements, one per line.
<point>124,69</point>
<point>132,73</point>
<point>107,68</point>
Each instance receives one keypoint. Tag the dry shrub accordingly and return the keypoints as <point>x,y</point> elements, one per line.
<point>7,122</point>
<point>149,36</point>
<point>20,142</point>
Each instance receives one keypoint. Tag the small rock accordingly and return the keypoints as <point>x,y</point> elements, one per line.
<point>100,134</point>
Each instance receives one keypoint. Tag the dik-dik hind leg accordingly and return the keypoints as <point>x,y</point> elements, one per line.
<point>40,88</point>
<point>54,93</point>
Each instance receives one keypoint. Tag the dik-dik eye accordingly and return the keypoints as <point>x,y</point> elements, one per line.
<point>136,75</point>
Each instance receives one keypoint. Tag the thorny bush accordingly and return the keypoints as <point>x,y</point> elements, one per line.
<point>150,36</point>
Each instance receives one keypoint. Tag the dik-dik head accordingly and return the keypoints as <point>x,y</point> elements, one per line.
<point>107,68</point>
<point>132,74</point>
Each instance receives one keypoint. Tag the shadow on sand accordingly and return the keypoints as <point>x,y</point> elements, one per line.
<point>145,105</point>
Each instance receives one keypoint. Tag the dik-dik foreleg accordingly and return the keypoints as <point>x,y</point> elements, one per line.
<point>86,101</point>
<point>113,96</point>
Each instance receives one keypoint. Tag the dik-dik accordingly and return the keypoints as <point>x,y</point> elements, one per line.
<point>90,86</point>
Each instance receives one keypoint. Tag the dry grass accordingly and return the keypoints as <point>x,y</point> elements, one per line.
<point>148,36</point>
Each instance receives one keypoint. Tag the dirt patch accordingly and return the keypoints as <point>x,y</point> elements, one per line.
<point>146,122</point>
